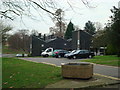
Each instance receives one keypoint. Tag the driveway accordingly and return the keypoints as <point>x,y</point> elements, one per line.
<point>100,69</point>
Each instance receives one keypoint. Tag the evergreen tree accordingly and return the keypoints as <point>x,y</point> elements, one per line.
<point>70,29</point>
<point>89,27</point>
<point>114,32</point>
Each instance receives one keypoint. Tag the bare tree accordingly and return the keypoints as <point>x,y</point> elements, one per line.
<point>12,8</point>
<point>100,39</point>
<point>98,26</point>
<point>20,40</point>
<point>60,25</point>
<point>34,32</point>
<point>3,31</point>
<point>14,41</point>
<point>56,29</point>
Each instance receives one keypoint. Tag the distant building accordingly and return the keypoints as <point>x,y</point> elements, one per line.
<point>37,45</point>
<point>81,40</point>
<point>59,43</point>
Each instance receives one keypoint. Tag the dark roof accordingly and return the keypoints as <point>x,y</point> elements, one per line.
<point>50,40</point>
<point>38,38</point>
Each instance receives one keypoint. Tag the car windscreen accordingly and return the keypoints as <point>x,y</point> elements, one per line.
<point>63,51</point>
<point>56,50</point>
<point>73,51</point>
<point>49,50</point>
<point>77,52</point>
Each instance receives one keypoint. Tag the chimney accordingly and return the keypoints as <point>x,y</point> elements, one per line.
<point>39,35</point>
<point>44,37</point>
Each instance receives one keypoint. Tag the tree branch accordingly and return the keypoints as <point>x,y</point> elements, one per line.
<point>41,7</point>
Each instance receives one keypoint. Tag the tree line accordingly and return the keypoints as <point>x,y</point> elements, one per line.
<point>109,36</point>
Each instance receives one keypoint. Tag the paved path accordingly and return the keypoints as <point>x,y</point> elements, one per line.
<point>100,69</point>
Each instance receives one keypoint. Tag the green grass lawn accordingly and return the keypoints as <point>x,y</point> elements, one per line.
<point>111,60</point>
<point>24,74</point>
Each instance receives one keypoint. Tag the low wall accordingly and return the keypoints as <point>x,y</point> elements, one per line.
<point>81,70</point>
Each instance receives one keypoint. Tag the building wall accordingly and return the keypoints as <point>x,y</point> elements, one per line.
<point>84,40</point>
<point>59,43</point>
<point>37,46</point>
<point>74,40</point>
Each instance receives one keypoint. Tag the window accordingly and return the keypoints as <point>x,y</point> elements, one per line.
<point>81,52</point>
<point>65,44</point>
<point>86,51</point>
<point>49,50</point>
<point>42,45</point>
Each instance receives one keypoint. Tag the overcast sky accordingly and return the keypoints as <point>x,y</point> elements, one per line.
<point>80,15</point>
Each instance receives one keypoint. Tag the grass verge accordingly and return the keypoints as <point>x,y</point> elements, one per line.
<point>111,60</point>
<point>24,74</point>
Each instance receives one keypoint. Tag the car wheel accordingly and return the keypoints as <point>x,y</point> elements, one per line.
<point>74,57</point>
<point>69,57</point>
<point>46,55</point>
<point>59,56</point>
<point>90,56</point>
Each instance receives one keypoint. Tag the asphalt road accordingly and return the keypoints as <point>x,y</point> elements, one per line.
<point>100,69</point>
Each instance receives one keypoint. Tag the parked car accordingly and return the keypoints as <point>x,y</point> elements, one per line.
<point>21,55</point>
<point>81,54</point>
<point>60,53</point>
<point>47,52</point>
<point>67,54</point>
<point>55,52</point>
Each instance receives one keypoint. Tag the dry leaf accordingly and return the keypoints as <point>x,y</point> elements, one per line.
<point>10,76</point>
<point>11,87</point>
<point>6,83</point>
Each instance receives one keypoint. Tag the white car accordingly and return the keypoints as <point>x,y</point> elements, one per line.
<point>47,52</point>
<point>21,55</point>
<point>66,55</point>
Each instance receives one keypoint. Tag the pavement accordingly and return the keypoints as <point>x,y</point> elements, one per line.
<point>96,81</point>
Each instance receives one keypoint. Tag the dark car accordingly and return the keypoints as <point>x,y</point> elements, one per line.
<point>81,54</point>
<point>60,53</point>
<point>67,54</point>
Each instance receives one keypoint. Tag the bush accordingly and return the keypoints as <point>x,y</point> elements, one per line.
<point>111,50</point>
